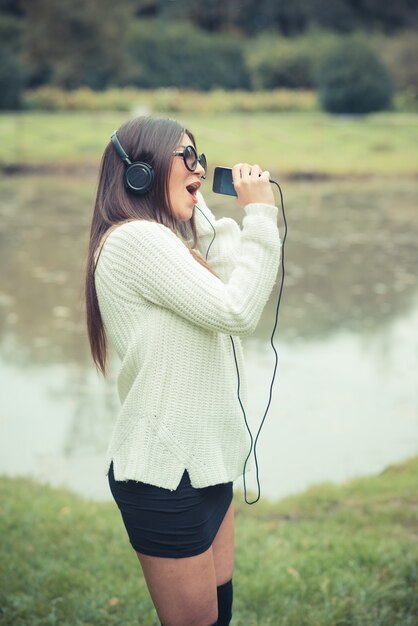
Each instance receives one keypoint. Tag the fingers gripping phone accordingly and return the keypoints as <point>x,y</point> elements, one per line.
<point>222,181</point>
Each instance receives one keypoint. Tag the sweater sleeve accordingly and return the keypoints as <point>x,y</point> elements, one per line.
<point>156,264</point>
<point>218,240</point>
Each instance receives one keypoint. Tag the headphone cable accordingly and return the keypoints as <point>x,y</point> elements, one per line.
<point>253,445</point>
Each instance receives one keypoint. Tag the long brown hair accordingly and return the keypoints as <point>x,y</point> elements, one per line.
<point>153,141</point>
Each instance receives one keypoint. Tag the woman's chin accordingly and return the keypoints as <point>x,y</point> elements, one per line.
<point>186,214</point>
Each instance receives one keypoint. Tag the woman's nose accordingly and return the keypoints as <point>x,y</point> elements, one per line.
<point>200,170</point>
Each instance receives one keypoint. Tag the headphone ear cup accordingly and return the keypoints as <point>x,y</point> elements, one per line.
<point>139,177</point>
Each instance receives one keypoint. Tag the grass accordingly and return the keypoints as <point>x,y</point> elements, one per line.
<point>285,143</point>
<point>336,555</point>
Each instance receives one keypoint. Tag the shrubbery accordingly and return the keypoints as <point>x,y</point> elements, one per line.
<point>158,53</point>
<point>12,72</point>
<point>400,54</point>
<point>11,79</point>
<point>276,61</point>
<point>352,79</point>
<point>179,55</point>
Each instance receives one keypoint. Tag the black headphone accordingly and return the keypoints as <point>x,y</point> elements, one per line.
<point>138,176</point>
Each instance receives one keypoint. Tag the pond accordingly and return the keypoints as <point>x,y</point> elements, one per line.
<point>345,396</point>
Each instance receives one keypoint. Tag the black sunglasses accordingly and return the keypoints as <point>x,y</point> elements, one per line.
<point>191,159</point>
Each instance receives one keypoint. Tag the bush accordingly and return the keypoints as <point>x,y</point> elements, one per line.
<point>11,80</point>
<point>400,53</point>
<point>352,79</point>
<point>72,44</point>
<point>406,101</point>
<point>179,55</point>
<point>11,31</point>
<point>277,61</point>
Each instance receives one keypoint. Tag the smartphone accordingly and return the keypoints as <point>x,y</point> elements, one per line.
<point>222,181</point>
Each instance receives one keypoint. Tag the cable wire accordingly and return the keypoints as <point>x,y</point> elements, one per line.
<point>253,442</point>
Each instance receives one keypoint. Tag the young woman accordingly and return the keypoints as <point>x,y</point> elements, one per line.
<point>175,320</point>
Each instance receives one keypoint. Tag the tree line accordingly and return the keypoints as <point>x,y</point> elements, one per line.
<point>238,44</point>
<point>288,18</point>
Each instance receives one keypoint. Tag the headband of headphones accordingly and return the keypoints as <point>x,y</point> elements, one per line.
<point>138,176</point>
<point>118,147</point>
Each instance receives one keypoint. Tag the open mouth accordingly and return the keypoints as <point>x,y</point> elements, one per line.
<point>193,189</point>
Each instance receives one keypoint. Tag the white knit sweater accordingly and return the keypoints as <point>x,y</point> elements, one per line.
<point>170,321</point>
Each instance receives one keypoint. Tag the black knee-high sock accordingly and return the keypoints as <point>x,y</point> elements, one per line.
<point>225,597</point>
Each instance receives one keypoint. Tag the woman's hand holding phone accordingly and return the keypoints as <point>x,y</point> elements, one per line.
<point>252,184</point>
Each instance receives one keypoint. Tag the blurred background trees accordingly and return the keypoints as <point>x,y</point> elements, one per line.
<point>239,44</point>
<point>352,78</point>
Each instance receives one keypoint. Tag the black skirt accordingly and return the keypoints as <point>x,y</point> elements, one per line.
<point>173,524</point>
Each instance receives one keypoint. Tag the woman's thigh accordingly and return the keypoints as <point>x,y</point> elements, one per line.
<point>223,548</point>
<point>183,590</point>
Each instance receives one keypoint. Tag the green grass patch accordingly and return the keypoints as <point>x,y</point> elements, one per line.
<point>336,555</point>
<point>284,143</point>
